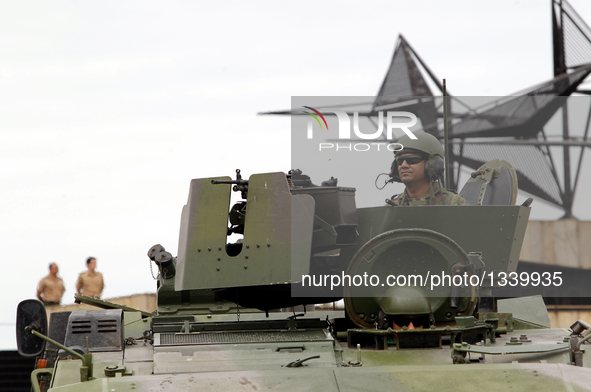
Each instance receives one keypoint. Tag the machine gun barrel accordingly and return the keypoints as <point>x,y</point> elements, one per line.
<point>240,185</point>
<point>235,182</point>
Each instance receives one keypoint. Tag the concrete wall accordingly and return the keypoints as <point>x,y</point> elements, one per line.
<point>565,242</point>
<point>145,302</point>
<point>565,318</point>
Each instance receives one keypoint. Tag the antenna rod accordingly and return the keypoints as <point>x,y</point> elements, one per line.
<point>445,138</point>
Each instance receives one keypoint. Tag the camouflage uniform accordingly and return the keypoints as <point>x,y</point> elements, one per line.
<point>435,196</point>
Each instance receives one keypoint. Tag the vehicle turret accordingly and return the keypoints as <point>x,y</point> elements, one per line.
<point>239,304</point>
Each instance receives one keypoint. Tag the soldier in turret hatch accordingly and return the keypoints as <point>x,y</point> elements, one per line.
<point>405,307</point>
<point>419,166</point>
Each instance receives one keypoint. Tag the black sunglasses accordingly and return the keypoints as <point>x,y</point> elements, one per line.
<point>417,321</point>
<point>410,159</point>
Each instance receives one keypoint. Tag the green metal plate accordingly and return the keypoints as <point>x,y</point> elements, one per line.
<point>266,253</point>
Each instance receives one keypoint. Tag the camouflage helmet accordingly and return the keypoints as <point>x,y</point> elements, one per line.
<point>404,300</point>
<point>425,143</point>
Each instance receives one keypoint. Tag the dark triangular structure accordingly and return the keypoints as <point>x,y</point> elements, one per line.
<point>517,123</point>
<point>513,125</point>
<point>521,116</point>
<point>404,79</point>
<point>571,38</point>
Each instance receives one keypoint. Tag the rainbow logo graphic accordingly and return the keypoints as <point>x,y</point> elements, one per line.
<point>318,113</point>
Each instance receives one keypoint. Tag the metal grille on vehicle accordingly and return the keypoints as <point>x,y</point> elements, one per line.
<point>103,328</point>
<point>172,339</point>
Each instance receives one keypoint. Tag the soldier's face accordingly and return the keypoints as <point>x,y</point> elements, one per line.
<point>54,269</point>
<point>411,322</point>
<point>92,265</point>
<point>411,174</point>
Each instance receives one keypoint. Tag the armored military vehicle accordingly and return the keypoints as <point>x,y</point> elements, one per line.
<point>236,306</point>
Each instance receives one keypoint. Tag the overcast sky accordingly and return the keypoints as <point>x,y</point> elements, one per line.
<point>108,109</point>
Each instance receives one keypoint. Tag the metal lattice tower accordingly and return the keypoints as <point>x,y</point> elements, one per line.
<point>513,128</point>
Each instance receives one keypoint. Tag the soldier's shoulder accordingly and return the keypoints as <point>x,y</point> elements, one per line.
<point>395,200</point>
<point>451,191</point>
<point>452,197</point>
<point>397,197</point>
